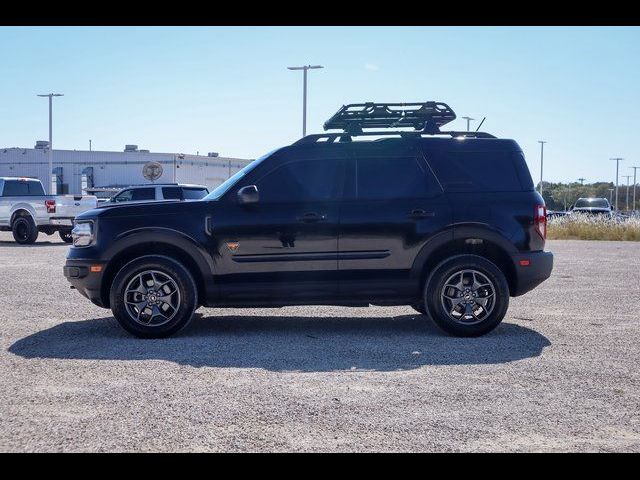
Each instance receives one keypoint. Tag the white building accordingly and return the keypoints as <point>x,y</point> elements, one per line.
<point>75,171</point>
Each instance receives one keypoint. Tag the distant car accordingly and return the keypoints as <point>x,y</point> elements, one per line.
<point>593,206</point>
<point>26,211</point>
<point>155,192</point>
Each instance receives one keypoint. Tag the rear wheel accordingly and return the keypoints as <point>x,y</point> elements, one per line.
<point>467,295</point>
<point>153,296</point>
<point>65,235</point>
<point>24,230</point>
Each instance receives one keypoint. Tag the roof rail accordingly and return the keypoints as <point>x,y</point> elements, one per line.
<point>426,117</point>
<point>347,137</point>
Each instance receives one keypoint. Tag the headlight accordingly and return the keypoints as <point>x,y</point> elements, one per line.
<point>82,234</point>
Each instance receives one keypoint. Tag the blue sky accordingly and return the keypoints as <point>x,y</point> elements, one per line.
<point>228,90</point>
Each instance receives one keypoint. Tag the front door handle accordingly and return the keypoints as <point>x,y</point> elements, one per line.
<point>311,217</point>
<point>419,213</point>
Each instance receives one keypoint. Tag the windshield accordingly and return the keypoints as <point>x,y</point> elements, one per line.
<point>592,202</point>
<point>221,189</point>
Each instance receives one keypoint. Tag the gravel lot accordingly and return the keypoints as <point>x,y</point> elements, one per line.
<point>560,373</point>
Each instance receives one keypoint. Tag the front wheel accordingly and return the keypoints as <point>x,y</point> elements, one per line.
<point>467,295</point>
<point>153,296</point>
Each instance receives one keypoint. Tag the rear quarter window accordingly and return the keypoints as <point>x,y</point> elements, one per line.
<point>476,171</point>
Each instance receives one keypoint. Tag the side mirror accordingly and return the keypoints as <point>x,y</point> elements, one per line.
<point>248,194</point>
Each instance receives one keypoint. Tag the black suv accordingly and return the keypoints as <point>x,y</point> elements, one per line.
<point>447,222</point>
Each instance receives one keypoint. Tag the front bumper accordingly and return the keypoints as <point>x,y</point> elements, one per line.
<point>85,279</point>
<point>528,276</point>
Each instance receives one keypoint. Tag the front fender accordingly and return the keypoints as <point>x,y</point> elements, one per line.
<point>169,236</point>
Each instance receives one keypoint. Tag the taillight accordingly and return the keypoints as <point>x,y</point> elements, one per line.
<point>51,206</point>
<point>540,220</point>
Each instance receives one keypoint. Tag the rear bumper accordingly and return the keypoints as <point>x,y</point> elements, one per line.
<point>87,282</point>
<point>530,276</point>
<point>61,221</point>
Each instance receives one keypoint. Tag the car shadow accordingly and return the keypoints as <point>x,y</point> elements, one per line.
<point>303,344</point>
<point>46,243</point>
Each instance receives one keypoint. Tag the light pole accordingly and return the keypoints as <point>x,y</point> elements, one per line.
<point>541,142</point>
<point>627,177</point>
<point>617,160</point>
<point>304,93</point>
<point>50,152</point>
<point>468,119</point>
<point>634,187</point>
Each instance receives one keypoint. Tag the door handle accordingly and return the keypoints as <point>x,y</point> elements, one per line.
<point>311,217</point>
<point>419,213</point>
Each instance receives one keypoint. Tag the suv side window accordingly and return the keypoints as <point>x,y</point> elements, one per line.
<point>303,181</point>
<point>476,171</point>
<point>171,193</point>
<point>124,196</point>
<point>144,194</point>
<point>15,188</point>
<point>388,178</point>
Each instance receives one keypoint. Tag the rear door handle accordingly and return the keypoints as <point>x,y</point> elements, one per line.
<point>311,217</point>
<point>419,213</point>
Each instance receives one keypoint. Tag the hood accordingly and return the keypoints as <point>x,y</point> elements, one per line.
<point>126,209</point>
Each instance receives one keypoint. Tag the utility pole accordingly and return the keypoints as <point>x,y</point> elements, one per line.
<point>304,93</point>
<point>581,180</point>
<point>634,187</point>
<point>617,160</point>
<point>627,177</point>
<point>541,142</point>
<point>468,119</point>
<point>50,152</point>
<point>89,144</point>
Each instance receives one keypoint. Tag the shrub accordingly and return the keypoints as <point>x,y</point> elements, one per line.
<point>592,227</point>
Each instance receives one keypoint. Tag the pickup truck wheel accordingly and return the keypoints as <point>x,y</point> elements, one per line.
<point>65,235</point>
<point>153,296</point>
<point>467,295</point>
<point>24,230</point>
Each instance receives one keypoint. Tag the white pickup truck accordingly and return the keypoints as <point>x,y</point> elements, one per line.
<point>25,210</point>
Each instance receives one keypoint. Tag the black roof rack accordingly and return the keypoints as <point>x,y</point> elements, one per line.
<point>425,117</point>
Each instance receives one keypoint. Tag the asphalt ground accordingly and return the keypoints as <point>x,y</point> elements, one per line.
<point>559,374</point>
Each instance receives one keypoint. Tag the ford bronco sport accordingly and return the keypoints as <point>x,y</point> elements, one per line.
<point>447,222</point>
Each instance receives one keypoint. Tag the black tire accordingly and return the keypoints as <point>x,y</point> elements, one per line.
<point>167,267</point>
<point>434,290</point>
<point>419,307</point>
<point>65,235</point>
<point>24,230</point>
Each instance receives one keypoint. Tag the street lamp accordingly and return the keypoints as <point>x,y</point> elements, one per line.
<point>627,177</point>
<point>468,119</point>
<point>617,160</point>
<point>304,93</point>
<point>50,152</point>
<point>541,142</point>
<point>634,187</point>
